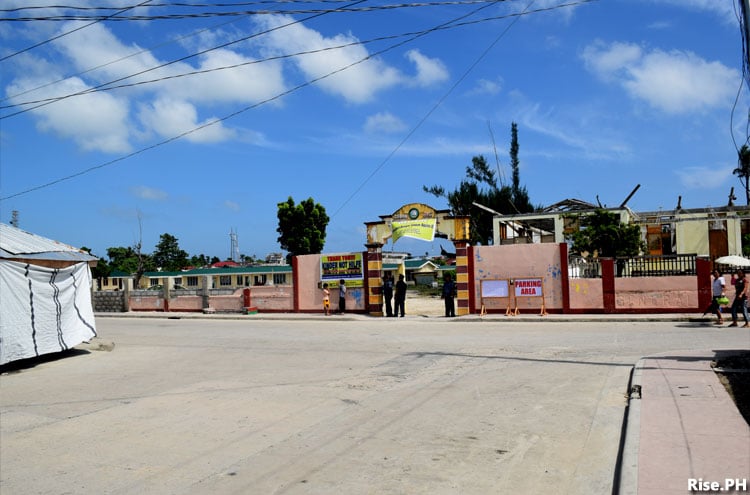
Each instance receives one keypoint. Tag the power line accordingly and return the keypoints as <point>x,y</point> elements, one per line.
<point>109,87</point>
<point>172,62</point>
<point>432,110</point>
<point>288,92</point>
<point>70,32</point>
<point>112,62</point>
<point>180,16</point>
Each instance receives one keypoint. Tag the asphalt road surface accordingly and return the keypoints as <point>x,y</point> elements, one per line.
<point>373,406</point>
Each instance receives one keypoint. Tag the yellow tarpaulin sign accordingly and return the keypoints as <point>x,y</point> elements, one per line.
<point>417,229</point>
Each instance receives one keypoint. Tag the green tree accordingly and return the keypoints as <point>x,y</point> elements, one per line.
<point>482,186</point>
<point>199,261</point>
<point>520,194</point>
<point>603,233</point>
<point>123,259</point>
<point>302,227</point>
<point>743,170</point>
<point>168,255</point>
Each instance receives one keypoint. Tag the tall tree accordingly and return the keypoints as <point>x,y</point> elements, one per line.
<point>743,170</point>
<point>168,255</point>
<point>480,186</point>
<point>520,195</point>
<point>302,227</point>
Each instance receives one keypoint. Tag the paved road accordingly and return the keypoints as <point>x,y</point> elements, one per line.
<point>374,406</point>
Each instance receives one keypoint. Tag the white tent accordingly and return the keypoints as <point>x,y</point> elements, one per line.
<point>45,295</point>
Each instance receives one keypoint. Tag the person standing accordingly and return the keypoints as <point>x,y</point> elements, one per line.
<point>326,300</point>
<point>388,293</point>
<point>400,297</point>
<point>342,296</point>
<point>740,299</point>
<point>449,292</point>
<point>718,290</point>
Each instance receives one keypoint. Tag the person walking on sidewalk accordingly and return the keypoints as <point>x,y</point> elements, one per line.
<point>740,299</point>
<point>718,291</point>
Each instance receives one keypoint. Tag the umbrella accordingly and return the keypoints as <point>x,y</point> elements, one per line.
<point>732,260</point>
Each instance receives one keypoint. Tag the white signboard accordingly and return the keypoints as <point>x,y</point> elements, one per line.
<point>495,288</point>
<point>528,287</point>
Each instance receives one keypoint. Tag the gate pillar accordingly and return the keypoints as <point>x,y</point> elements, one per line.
<point>462,277</point>
<point>375,279</point>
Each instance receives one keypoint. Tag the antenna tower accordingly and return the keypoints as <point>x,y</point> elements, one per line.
<point>235,253</point>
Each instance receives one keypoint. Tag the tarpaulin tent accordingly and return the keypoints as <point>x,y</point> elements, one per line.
<point>45,295</point>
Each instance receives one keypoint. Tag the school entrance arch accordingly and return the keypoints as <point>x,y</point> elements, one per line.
<point>418,221</point>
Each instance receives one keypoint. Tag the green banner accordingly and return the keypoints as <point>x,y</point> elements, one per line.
<point>417,229</point>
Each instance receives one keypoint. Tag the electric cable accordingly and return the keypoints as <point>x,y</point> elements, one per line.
<point>440,101</point>
<point>121,59</point>
<point>108,85</point>
<point>61,35</point>
<point>174,61</point>
<point>285,93</point>
<point>180,16</point>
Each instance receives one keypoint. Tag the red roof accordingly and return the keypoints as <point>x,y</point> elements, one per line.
<point>224,264</point>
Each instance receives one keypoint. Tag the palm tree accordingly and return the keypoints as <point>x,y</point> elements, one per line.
<point>743,170</point>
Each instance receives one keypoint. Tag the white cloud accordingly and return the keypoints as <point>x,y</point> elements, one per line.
<point>246,83</point>
<point>169,117</point>
<point>723,9</point>
<point>703,177</point>
<point>384,122</point>
<point>96,121</point>
<point>429,70</point>
<point>675,82</point>
<point>102,121</point>
<point>145,192</point>
<point>231,205</point>
<point>355,77</point>
<point>487,87</point>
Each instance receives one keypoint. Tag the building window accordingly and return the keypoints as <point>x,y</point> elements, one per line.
<point>240,280</point>
<point>153,281</point>
<point>260,279</point>
<point>225,280</point>
<point>279,279</point>
<point>178,280</point>
<point>192,281</point>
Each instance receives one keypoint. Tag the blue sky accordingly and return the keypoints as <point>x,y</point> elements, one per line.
<point>606,94</point>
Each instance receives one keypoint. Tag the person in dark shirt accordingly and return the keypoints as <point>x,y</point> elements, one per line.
<point>400,296</point>
<point>449,292</point>
<point>388,293</point>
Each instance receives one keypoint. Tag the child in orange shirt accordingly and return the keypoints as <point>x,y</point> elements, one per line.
<point>326,299</point>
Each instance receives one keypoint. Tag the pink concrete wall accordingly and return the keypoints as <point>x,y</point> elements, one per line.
<point>186,303</point>
<point>310,294</point>
<point>146,303</point>
<point>521,261</point>
<point>272,298</point>
<point>656,293</point>
<point>227,304</point>
<point>586,293</point>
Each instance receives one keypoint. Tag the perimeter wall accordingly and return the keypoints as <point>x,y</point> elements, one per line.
<point>546,262</point>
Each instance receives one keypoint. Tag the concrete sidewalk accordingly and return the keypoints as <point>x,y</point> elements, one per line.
<point>494,317</point>
<point>683,430</point>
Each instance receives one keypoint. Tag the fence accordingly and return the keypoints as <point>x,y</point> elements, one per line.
<point>579,267</point>
<point>636,266</point>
